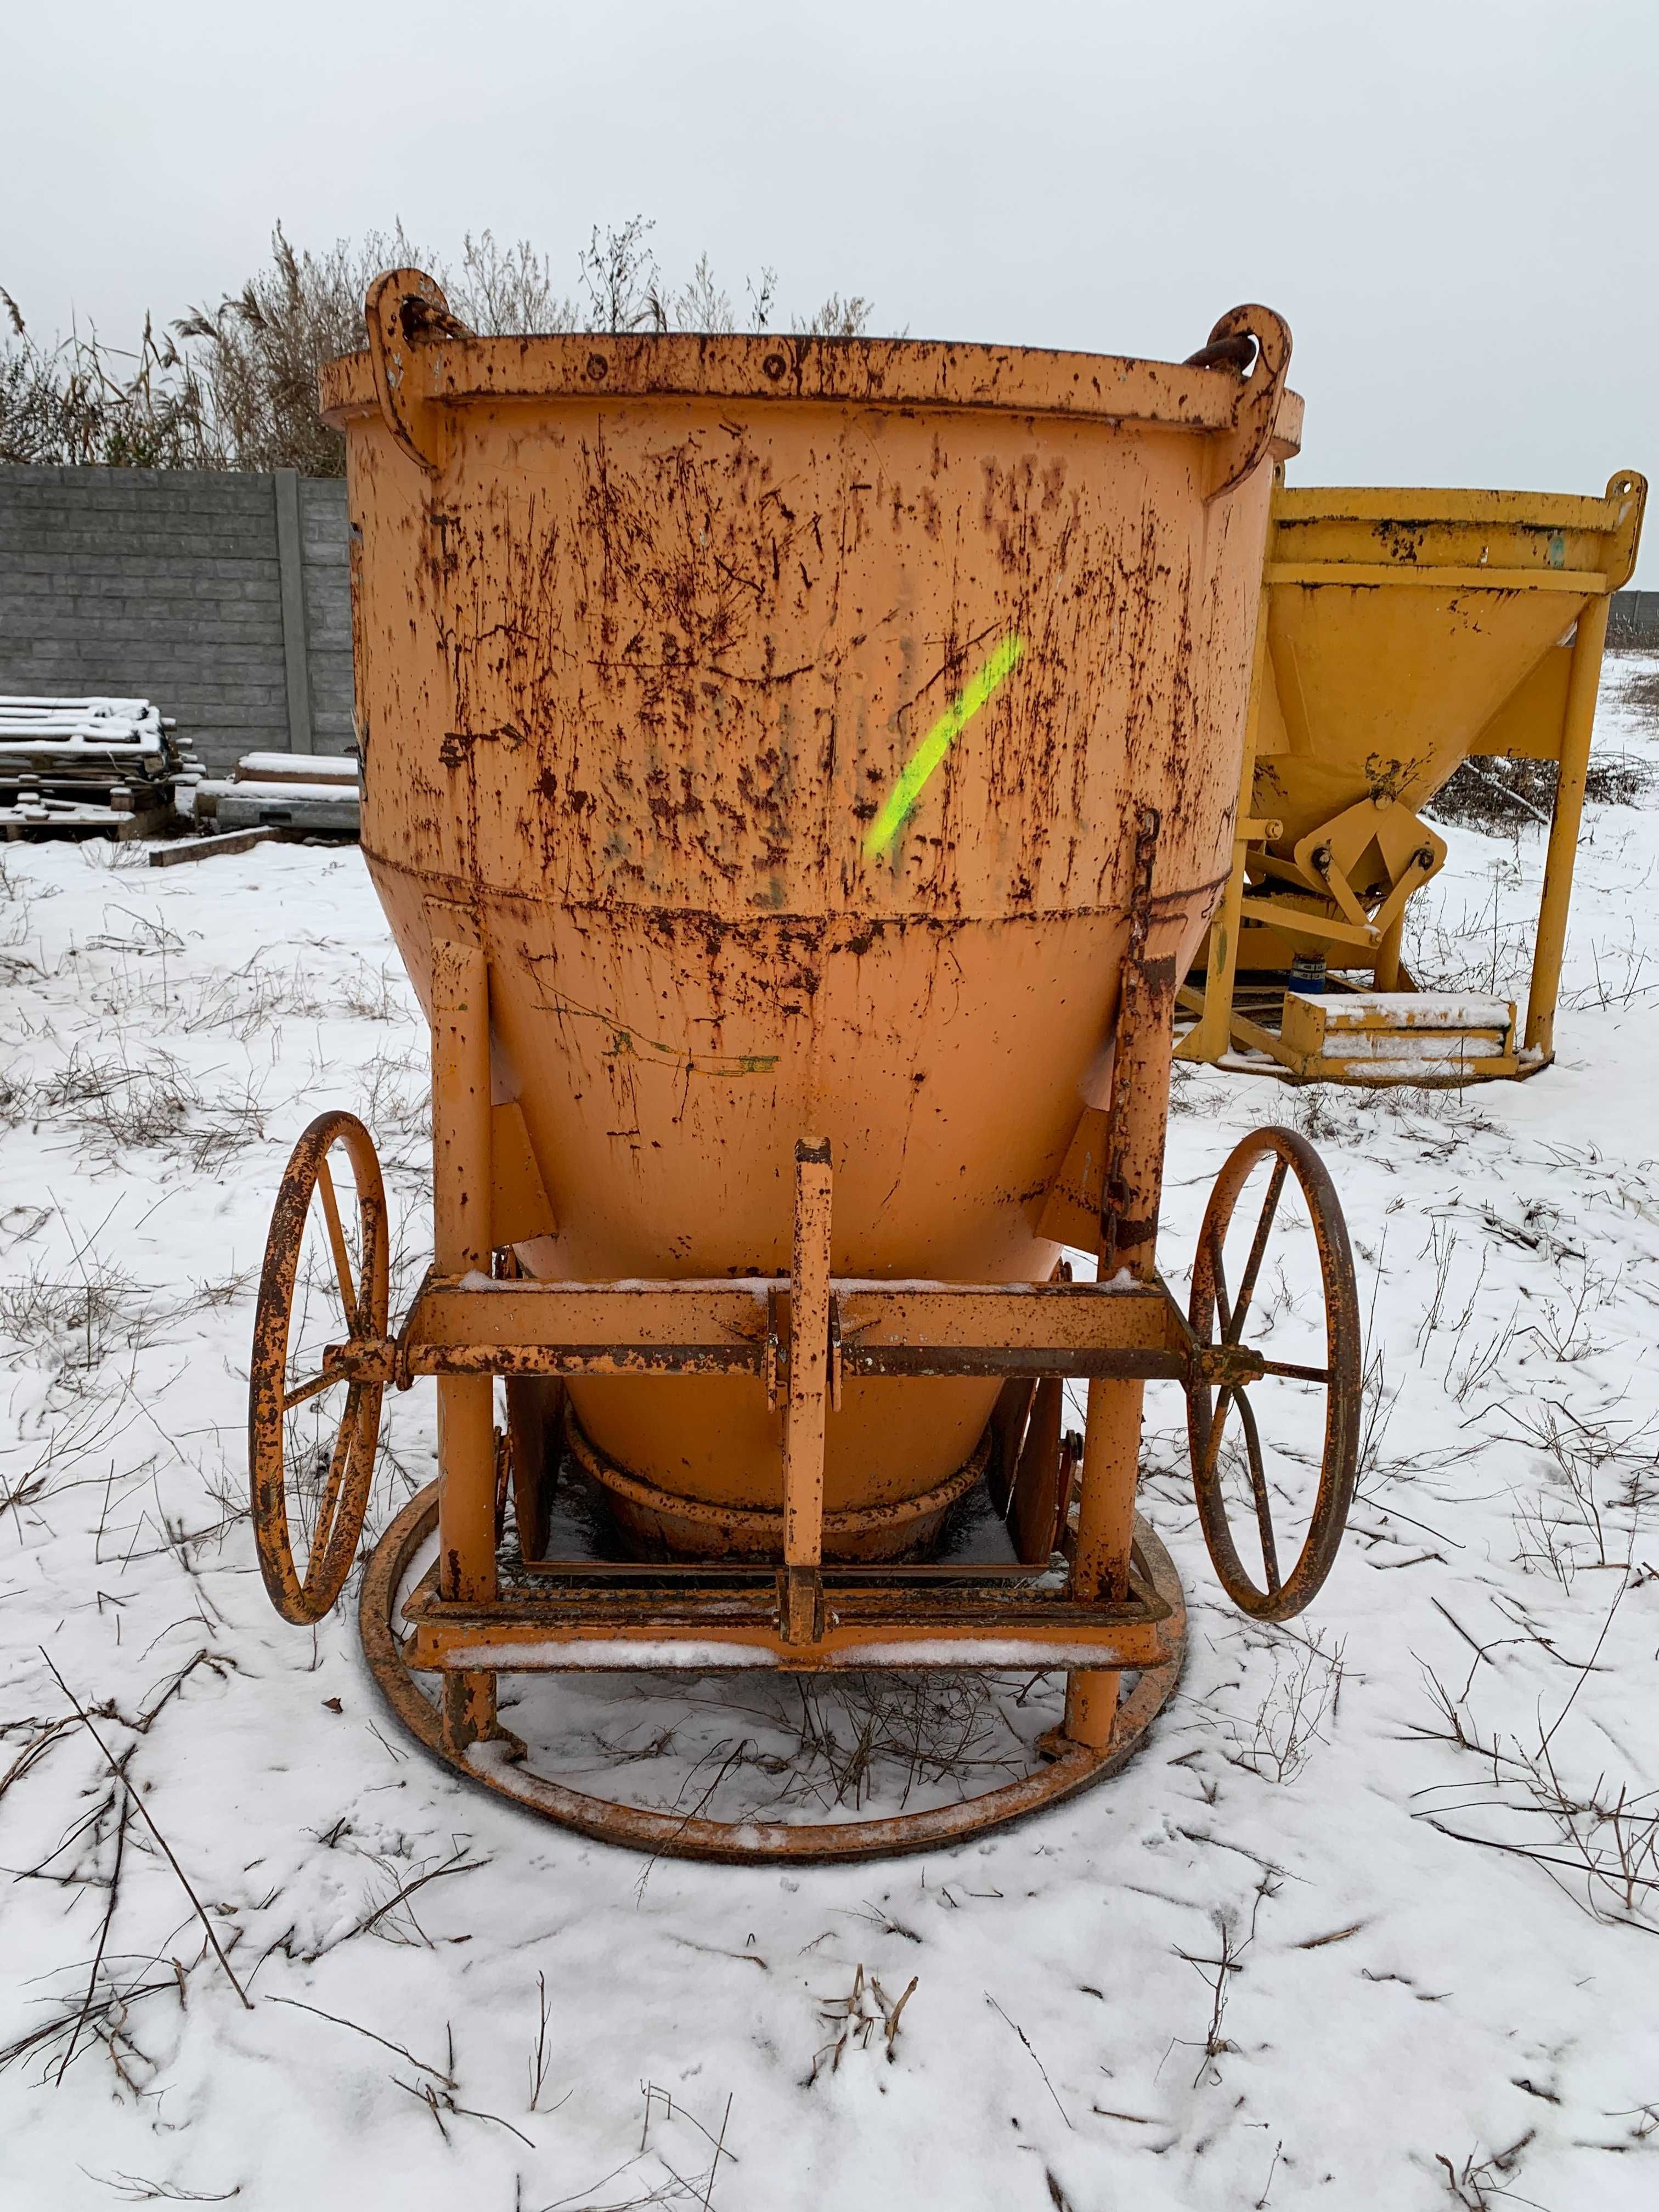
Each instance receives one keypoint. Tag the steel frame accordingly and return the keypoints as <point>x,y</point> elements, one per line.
<point>1309,900</point>
<point>799,1338</point>
<point>1112,1606</point>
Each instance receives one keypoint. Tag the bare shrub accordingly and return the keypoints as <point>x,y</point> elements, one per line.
<point>1502,797</point>
<point>83,402</point>
<point>502,291</point>
<point>1640,690</point>
<point>839,318</point>
<point>261,349</point>
<point>1226,1963</point>
<point>394,1098</point>
<point>234,385</point>
<point>1320,1112</point>
<point>1306,1688</point>
<point>1484,948</point>
<point>380,995</point>
<point>1595,1477</point>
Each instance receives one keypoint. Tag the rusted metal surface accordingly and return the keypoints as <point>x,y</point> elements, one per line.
<point>535,1427</point>
<point>646,643</point>
<point>1132,1182</point>
<point>1042,1492</point>
<point>463,1187</point>
<point>305,1596</point>
<point>700,1618</point>
<point>1218,1313</point>
<point>659,1520</point>
<point>695,1327</point>
<point>1072,1768</point>
<point>1140,1081</point>
<point>807,1399</point>
<point>1005,1430</point>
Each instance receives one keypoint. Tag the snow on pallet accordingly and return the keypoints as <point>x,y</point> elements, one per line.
<point>86,766</point>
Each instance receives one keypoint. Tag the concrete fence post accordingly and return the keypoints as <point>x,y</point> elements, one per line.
<point>291,563</point>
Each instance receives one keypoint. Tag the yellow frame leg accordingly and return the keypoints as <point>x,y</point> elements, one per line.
<point>1577,728</point>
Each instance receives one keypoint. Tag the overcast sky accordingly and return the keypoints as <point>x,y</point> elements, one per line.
<point>1453,201</point>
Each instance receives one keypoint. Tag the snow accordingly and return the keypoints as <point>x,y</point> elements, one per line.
<point>1430,1010</point>
<point>68,726</point>
<point>1394,1994</point>
<point>279,792</point>
<point>319,768</point>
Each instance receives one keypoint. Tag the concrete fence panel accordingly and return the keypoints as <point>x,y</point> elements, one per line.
<point>1633,620</point>
<point>224,598</point>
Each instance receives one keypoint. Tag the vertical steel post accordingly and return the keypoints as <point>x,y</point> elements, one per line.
<point>1213,1032</point>
<point>1137,1120</point>
<point>461,1196</point>
<point>1578,727</point>
<point>806,1403</point>
<point>1386,976</point>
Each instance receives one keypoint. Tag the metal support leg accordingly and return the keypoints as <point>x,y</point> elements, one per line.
<point>461,1190</point>
<point>1212,1036</point>
<point>1577,729</point>
<point>1138,1119</point>
<point>805,1406</point>
<point>1387,977</point>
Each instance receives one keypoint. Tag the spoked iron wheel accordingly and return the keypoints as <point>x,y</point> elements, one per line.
<point>1225,1316</point>
<point>311,1430</point>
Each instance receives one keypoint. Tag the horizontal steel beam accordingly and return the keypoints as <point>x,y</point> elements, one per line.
<point>1119,1330</point>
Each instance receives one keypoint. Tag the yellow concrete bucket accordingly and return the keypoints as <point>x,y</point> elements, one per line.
<point>795,774</point>
<point>1403,633</point>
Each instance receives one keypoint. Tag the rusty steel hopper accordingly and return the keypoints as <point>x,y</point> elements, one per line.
<point>795,773</point>
<point>1403,633</point>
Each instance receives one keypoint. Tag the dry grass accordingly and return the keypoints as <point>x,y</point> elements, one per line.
<point>1305,1693</point>
<point>1598,1841</point>
<point>1480,2182</point>
<point>67,1322</point>
<point>117,1106</point>
<point>1598,1478</point>
<point>858,2019</point>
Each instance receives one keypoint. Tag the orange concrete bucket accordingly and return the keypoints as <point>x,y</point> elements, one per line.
<point>650,633</point>
<point>797,774</point>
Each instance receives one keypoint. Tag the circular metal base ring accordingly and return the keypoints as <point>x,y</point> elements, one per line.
<point>496,1765</point>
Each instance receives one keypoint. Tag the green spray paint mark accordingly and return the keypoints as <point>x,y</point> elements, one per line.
<point>902,800</point>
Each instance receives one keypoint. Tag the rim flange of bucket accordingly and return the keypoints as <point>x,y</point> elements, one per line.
<point>749,1842</point>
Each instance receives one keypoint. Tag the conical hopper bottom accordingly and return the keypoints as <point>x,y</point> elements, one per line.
<point>1384,687</point>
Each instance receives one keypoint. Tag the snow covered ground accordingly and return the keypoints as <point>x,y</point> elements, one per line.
<point>1370,1921</point>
